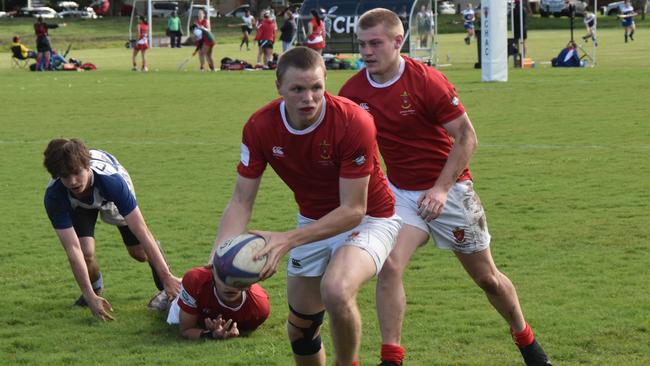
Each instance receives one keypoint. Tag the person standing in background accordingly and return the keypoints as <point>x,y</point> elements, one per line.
<point>174,30</point>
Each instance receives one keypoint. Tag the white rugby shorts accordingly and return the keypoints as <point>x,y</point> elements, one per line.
<point>461,227</point>
<point>375,235</point>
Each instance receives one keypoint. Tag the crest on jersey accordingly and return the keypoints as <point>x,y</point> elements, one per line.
<point>459,235</point>
<point>455,101</point>
<point>364,106</point>
<point>325,152</point>
<point>406,101</point>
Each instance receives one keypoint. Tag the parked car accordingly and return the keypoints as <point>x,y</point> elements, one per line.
<point>614,8</point>
<point>560,8</point>
<point>195,10</point>
<point>238,12</point>
<point>163,9</point>
<point>40,11</point>
<point>87,13</point>
<point>445,7</point>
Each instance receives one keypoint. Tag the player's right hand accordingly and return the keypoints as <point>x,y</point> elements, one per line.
<point>100,308</point>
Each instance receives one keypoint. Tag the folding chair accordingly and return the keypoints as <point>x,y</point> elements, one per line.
<point>17,59</point>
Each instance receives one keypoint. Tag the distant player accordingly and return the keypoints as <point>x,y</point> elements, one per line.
<point>43,47</point>
<point>204,41</point>
<point>141,45</point>
<point>426,140</point>
<point>87,183</point>
<point>590,23</point>
<point>323,147</point>
<point>627,14</point>
<point>265,37</point>
<point>207,308</point>
<point>468,22</point>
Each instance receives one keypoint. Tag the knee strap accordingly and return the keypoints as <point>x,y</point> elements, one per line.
<point>310,342</point>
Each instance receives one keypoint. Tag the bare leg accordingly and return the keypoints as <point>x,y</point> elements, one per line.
<point>348,270</point>
<point>497,287</point>
<point>390,295</point>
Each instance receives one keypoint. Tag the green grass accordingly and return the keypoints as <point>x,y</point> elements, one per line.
<point>562,169</point>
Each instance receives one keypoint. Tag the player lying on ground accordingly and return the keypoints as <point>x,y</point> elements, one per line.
<point>207,308</point>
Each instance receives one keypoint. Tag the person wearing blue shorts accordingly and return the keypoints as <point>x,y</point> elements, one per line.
<point>627,14</point>
<point>468,22</point>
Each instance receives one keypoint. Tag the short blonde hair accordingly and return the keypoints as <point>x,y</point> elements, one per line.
<point>301,58</point>
<point>389,19</point>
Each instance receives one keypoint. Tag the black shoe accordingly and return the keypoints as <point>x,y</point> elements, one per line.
<point>389,363</point>
<point>466,40</point>
<point>534,355</point>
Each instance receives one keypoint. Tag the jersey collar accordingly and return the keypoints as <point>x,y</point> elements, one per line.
<point>390,82</point>
<point>236,308</point>
<point>307,130</point>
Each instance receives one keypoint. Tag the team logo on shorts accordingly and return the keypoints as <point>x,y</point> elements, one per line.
<point>459,235</point>
<point>295,263</point>
<point>353,237</point>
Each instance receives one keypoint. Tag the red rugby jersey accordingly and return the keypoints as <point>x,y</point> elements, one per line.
<point>340,144</point>
<point>198,297</point>
<point>409,112</point>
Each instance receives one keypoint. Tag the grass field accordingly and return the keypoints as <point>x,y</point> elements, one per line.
<point>562,169</point>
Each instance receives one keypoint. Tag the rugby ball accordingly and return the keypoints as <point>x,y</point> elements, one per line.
<point>233,260</point>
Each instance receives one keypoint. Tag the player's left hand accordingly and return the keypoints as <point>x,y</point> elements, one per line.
<point>277,245</point>
<point>431,203</point>
<point>222,329</point>
<point>172,287</point>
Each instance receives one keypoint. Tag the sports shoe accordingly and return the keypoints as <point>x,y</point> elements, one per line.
<point>81,301</point>
<point>389,363</point>
<point>534,355</point>
<point>134,68</point>
<point>159,302</point>
<point>145,69</point>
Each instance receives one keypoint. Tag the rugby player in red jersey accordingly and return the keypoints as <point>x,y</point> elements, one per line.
<point>207,308</point>
<point>324,148</point>
<point>426,140</point>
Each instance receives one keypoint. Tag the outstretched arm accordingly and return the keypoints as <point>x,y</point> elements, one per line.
<point>236,215</point>
<point>136,223</point>
<point>99,307</point>
<point>353,197</point>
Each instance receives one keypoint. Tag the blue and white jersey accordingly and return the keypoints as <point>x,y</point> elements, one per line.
<point>627,10</point>
<point>110,186</point>
<point>589,20</point>
<point>468,16</point>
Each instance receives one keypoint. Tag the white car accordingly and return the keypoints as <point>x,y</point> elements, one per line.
<point>195,10</point>
<point>445,7</point>
<point>615,8</point>
<point>40,11</point>
<point>163,9</point>
<point>238,12</point>
<point>87,13</point>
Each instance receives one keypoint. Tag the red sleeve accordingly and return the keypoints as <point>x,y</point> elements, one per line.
<point>251,160</point>
<point>189,294</point>
<point>442,98</point>
<point>258,308</point>
<point>358,143</point>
